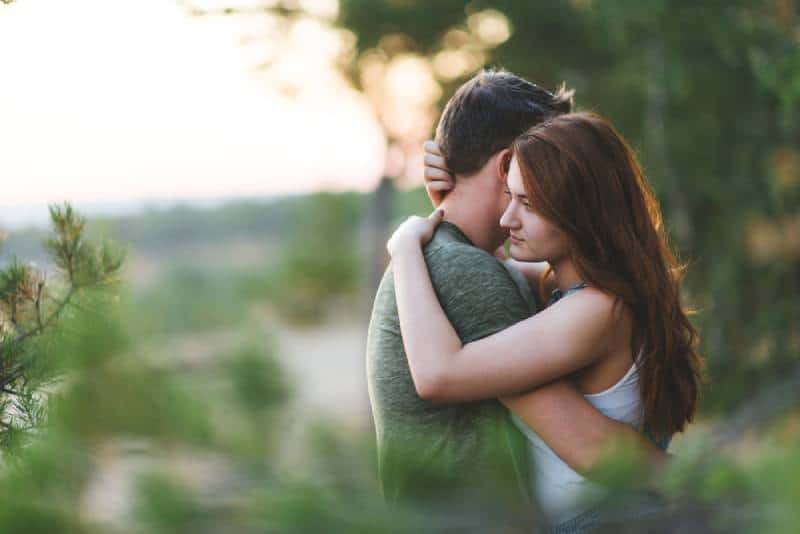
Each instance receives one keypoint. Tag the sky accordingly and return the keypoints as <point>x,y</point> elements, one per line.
<point>108,102</point>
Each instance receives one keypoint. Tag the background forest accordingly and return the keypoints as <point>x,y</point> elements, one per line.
<point>202,371</point>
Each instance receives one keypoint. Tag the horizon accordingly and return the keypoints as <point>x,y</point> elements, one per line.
<point>23,216</point>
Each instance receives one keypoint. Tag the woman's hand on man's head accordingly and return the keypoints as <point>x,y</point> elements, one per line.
<point>414,232</point>
<point>438,179</point>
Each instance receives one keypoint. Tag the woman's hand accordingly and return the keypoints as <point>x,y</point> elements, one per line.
<point>414,232</point>
<point>438,179</point>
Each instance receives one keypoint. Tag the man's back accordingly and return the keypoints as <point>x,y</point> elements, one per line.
<point>427,449</point>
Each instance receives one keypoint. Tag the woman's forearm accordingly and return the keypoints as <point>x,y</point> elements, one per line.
<point>428,337</point>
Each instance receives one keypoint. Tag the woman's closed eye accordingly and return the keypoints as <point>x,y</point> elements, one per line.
<point>524,200</point>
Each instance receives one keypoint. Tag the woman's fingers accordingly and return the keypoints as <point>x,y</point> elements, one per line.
<point>429,225</point>
<point>415,231</point>
<point>437,216</point>
<point>437,162</point>
<point>439,186</point>
<point>437,175</point>
<point>434,159</point>
<point>438,180</point>
<point>437,189</point>
<point>432,147</point>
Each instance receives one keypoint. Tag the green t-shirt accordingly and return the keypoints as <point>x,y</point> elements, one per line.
<point>427,449</point>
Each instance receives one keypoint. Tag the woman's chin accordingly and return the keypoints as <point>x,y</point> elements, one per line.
<point>522,254</point>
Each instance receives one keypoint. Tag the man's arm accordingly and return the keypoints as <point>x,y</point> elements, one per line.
<point>480,298</point>
<point>576,431</point>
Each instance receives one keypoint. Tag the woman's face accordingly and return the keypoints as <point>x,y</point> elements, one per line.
<point>533,238</point>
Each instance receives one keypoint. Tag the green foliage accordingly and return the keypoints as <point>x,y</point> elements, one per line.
<point>84,264</point>
<point>300,508</point>
<point>412,202</point>
<point>185,225</point>
<point>30,308</point>
<point>313,258</point>
<point>227,413</point>
<point>188,298</point>
<point>165,506</point>
<point>258,380</point>
<point>320,262</point>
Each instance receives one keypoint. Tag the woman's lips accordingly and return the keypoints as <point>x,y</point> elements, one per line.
<point>515,240</point>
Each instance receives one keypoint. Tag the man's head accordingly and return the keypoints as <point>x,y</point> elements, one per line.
<point>475,133</point>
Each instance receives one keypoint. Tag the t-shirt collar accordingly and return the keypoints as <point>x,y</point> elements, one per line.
<point>453,229</point>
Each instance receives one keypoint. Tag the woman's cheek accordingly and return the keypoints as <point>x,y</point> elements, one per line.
<point>532,229</point>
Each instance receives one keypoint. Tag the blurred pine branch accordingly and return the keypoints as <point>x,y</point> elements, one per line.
<point>31,306</point>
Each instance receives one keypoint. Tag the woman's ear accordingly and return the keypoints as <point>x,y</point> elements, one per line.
<point>503,162</point>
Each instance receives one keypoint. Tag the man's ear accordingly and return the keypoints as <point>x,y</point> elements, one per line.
<point>503,161</point>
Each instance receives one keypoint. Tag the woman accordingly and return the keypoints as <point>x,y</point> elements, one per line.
<point>578,201</point>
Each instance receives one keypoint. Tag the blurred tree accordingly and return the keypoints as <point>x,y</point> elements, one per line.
<point>392,72</point>
<point>201,447</point>
<point>322,261</point>
<point>30,308</point>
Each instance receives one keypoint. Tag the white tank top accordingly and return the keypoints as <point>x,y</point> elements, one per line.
<point>561,491</point>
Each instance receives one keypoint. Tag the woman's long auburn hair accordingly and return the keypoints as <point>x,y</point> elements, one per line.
<point>580,174</point>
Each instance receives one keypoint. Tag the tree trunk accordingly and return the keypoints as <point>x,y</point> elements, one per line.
<point>378,219</point>
<point>655,137</point>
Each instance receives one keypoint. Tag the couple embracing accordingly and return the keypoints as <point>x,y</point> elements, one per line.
<point>497,381</point>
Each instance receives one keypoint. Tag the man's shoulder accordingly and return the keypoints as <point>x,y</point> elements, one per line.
<point>452,262</point>
<point>463,256</point>
<point>464,272</point>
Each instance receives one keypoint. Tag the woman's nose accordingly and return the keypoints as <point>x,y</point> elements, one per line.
<point>507,219</point>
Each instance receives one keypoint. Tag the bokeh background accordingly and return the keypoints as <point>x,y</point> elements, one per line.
<point>252,157</point>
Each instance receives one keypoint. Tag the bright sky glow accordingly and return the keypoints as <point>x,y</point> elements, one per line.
<point>116,100</point>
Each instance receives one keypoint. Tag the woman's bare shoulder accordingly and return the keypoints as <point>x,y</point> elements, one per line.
<point>605,312</point>
<point>598,305</point>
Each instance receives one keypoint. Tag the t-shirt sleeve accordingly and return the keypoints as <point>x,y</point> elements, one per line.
<point>476,291</point>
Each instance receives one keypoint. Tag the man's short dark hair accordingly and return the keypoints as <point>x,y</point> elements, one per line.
<point>488,112</point>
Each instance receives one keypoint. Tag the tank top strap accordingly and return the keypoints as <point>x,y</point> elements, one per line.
<point>557,294</point>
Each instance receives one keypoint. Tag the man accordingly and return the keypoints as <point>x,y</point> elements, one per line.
<point>436,451</point>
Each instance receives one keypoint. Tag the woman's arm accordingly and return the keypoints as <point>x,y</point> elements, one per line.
<point>553,343</point>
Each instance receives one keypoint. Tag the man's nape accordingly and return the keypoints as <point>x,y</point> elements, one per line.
<point>476,203</point>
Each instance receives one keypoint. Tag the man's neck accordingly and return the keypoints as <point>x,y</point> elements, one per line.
<point>457,212</point>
